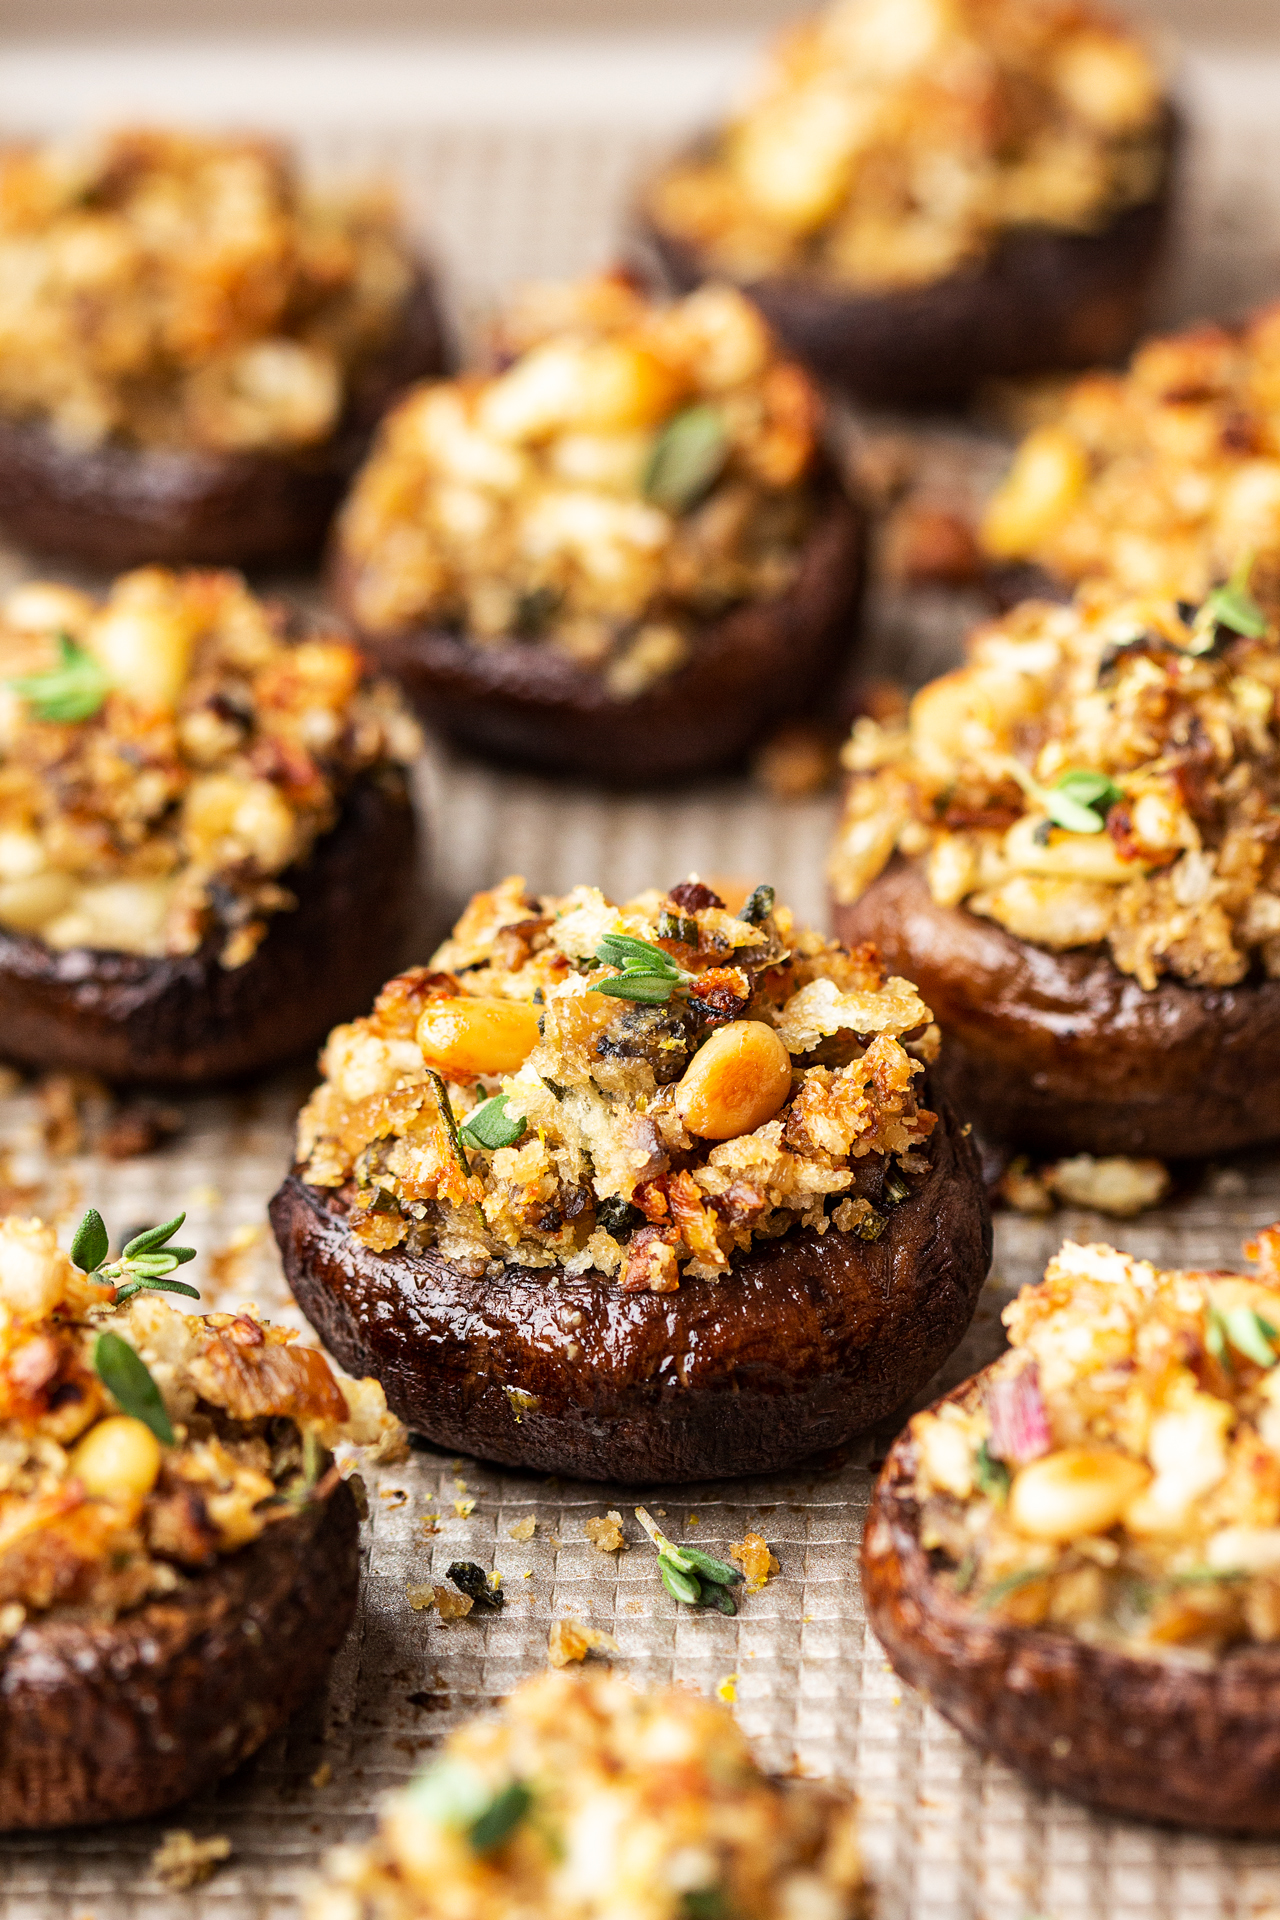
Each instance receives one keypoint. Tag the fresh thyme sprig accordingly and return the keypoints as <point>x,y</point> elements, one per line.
<point>1077,801</point>
<point>73,690</point>
<point>695,1578</point>
<point>645,972</point>
<point>1232,606</point>
<point>144,1265</point>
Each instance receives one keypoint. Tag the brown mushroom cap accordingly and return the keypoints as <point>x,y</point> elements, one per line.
<point>1041,300</point>
<point>749,669</point>
<point>115,1720</point>
<point>1199,1746</point>
<point>118,506</point>
<point>809,1340</point>
<point>1064,1053</point>
<point>190,1020</point>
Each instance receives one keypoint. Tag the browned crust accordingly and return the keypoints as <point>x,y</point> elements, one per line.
<point>118,506</point>
<point>749,669</point>
<point>115,1721</point>
<point>1063,1052</point>
<point>809,1340</point>
<point>187,1021</point>
<point>1196,1746</point>
<point>1041,300</point>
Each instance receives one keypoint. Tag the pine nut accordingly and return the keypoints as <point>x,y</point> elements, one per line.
<point>736,1082</point>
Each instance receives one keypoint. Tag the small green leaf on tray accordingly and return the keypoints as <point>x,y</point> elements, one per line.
<point>500,1818</point>
<point>72,691</point>
<point>1078,802</point>
<point>90,1245</point>
<point>681,1586</point>
<point>125,1376</point>
<point>705,1565</point>
<point>687,459</point>
<point>492,1125</point>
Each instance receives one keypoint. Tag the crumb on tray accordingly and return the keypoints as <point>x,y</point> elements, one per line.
<point>606,1534</point>
<point>181,1861</point>
<point>758,1564</point>
<point>523,1529</point>
<point>570,1640</point>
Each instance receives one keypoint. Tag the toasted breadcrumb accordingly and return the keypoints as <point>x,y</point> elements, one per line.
<point>570,1640</point>
<point>606,1535</point>
<point>1114,1184</point>
<point>757,1562</point>
<point>447,1601</point>
<point>523,1529</point>
<point>322,1776</point>
<point>181,1861</point>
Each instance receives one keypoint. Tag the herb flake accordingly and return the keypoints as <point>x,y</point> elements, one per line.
<point>492,1125</point>
<point>1078,802</point>
<point>645,973</point>
<point>127,1379</point>
<point>72,691</point>
<point>688,458</point>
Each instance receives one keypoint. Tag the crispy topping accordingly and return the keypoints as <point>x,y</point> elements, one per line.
<point>137,1442</point>
<point>512,1103</point>
<point>1106,771</point>
<point>215,752</point>
<point>892,141</point>
<point>175,291</point>
<point>1158,478</point>
<point>584,1797</point>
<point>634,469</point>
<point>1118,1477</point>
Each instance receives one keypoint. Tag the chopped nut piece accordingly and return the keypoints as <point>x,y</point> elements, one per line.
<point>322,1776</point>
<point>570,1640</point>
<point>757,1562</point>
<point>606,1535</point>
<point>181,1861</point>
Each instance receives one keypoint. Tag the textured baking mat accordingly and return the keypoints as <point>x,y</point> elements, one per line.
<point>948,1836</point>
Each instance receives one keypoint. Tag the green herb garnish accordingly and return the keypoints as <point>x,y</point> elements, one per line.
<point>646,973</point>
<point>992,1476</point>
<point>1242,1328</point>
<point>500,1818</point>
<point>687,459</point>
<point>1078,802</point>
<point>144,1265</point>
<point>73,690</point>
<point>695,1578</point>
<point>125,1376</point>
<point>1231,606</point>
<point>451,1128</point>
<point>492,1125</point>
<point>704,1903</point>
<point>1001,1589</point>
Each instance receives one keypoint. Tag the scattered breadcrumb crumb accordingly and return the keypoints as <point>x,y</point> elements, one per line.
<point>606,1535</point>
<point>465,1508</point>
<point>1114,1184</point>
<point>728,1689</point>
<point>430,1524</point>
<point>693,1521</point>
<point>756,1561</point>
<point>570,1640</point>
<point>393,1496</point>
<point>322,1776</point>
<point>447,1601</point>
<point>181,1861</point>
<point>523,1529</point>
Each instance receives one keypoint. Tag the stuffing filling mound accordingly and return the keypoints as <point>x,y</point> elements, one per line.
<point>138,1443</point>
<point>583,1798</point>
<point>641,1091</point>
<point>632,470</point>
<point>166,754</point>
<point>1160,477</point>
<point>1118,1476</point>
<point>892,142</point>
<point>1108,771</point>
<point>169,291</point>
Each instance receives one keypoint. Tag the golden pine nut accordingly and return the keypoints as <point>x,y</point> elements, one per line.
<point>1076,1491</point>
<point>736,1082</point>
<point>119,1459</point>
<point>1046,479</point>
<point>468,1037</point>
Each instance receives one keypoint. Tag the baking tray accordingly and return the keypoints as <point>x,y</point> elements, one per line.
<point>947,1835</point>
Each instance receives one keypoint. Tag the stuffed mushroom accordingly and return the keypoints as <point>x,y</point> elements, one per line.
<point>1159,477</point>
<point>178,1554</point>
<point>1070,845</point>
<point>194,348</point>
<point>622,555</point>
<point>507,1822</point>
<point>923,194</point>
<point>205,829</point>
<point>1076,1555</point>
<point>636,1193</point>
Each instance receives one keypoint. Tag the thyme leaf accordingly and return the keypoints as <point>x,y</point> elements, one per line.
<point>1078,802</point>
<point>681,1586</point>
<point>145,1264</point>
<point>500,1818</point>
<point>73,690</point>
<point>687,459</point>
<point>992,1476</point>
<point>1231,606</point>
<point>492,1125</point>
<point>1244,1329</point>
<point>126,1377</point>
